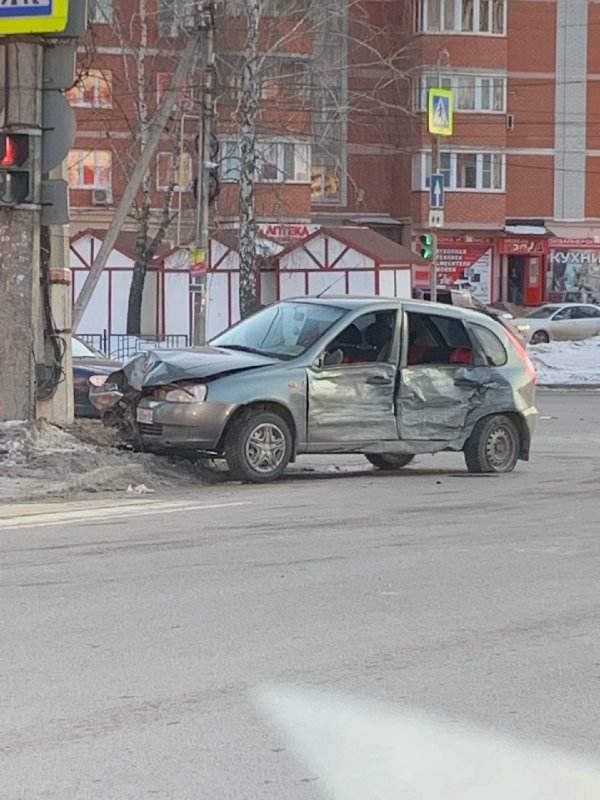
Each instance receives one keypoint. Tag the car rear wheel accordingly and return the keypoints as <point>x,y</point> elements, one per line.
<point>258,446</point>
<point>390,461</point>
<point>539,337</point>
<point>494,445</point>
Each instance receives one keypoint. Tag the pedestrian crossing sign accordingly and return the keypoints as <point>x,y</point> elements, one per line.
<point>441,112</point>
<point>33,16</point>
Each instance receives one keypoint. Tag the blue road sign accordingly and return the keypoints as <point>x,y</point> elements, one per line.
<point>437,191</point>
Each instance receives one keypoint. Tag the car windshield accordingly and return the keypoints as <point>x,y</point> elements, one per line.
<point>542,313</point>
<point>83,350</point>
<point>284,330</point>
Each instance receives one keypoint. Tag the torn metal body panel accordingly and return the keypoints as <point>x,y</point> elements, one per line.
<point>162,367</point>
<point>336,375</point>
<point>352,403</point>
<point>438,403</point>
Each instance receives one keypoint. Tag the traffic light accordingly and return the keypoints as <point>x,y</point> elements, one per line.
<point>427,246</point>
<point>15,176</point>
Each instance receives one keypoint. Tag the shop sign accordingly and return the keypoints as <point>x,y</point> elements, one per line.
<point>574,275</point>
<point>467,266</point>
<point>515,246</point>
<point>286,232</point>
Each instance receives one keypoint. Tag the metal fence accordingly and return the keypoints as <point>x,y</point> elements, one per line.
<point>121,345</point>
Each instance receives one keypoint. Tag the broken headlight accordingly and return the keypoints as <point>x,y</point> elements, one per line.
<point>191,393</point>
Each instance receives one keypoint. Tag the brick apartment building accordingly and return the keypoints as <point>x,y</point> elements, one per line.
<point>343,130</point>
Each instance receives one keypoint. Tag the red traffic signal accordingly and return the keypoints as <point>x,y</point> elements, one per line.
<point>15,179</point>
<point>14,149</point>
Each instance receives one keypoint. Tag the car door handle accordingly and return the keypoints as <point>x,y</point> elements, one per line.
<point>379,380</point>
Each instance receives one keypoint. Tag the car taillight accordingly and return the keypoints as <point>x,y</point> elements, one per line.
<point>528,363</point>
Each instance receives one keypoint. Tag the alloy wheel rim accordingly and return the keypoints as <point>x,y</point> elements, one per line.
<point>265,448</point>
<point>500,448</point>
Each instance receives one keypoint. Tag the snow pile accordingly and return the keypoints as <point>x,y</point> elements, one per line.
<point>567,363</point>
<point>40,460</point>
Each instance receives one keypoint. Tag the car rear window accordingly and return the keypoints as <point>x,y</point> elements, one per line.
<point>493,349</point>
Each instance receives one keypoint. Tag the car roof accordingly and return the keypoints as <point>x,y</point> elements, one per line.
<point>371,303</point>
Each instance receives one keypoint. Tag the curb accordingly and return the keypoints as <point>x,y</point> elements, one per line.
<point>571,387</point>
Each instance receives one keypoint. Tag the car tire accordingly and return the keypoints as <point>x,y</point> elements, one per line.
<point>539,337</point>
<point>258,446</point>
<point>389,462</point>
<point>493,446</point>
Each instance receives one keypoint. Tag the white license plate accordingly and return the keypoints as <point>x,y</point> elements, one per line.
<point>145,416</point>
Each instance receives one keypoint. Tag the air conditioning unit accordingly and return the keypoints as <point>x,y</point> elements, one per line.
<point>102,197</point>
<point>510,122</point>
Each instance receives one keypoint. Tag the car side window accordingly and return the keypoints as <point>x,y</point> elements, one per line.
<point>493,349</point>
<point>564,313</point>
<point>366,340</point>
<point>586,312</point>
<point>436,339</point>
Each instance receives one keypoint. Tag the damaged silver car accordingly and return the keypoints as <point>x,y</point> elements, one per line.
<point>383,377</point>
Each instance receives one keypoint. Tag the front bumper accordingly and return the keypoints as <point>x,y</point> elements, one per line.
<point>182,426</point>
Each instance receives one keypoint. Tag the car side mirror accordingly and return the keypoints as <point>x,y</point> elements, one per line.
<point>329,359</point>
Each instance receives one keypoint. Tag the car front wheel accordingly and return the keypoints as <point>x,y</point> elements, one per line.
<point>493,446</point>
<point>258,446</point>
<point>539,337</point>
<point>389,462</point>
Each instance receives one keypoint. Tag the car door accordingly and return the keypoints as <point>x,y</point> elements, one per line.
<point>441,378</point>
<point>586,320</point>
<point>352,386</point>
<point>562,326</point>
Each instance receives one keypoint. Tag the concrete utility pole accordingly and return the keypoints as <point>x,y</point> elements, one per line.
<point>20,235</point>
<point>199,285</point>
<point>156,130</point>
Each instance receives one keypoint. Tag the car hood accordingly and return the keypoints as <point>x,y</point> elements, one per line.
<point>159,367</point>
<point>102,366</point>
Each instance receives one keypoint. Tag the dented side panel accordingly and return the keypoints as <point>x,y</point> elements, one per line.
<point>352,403</point>
<point>442,403</point>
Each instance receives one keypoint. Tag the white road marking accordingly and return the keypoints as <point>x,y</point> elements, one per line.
<point>64,517</point>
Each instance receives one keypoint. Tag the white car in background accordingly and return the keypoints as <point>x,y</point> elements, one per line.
<point>559,322</point>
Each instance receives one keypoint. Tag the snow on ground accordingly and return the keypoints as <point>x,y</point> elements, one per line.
<point>39,460</point>
<point>567,363</point>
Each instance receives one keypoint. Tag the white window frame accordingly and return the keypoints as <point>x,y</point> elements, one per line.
<point>98,80</point>
<point>186,172</point>
<point>101,12</point>
<point>230,153</point>
<point>80,157</point>
<point>451,80</point>
<point>181,17</point>
<point>421,170</point>
<point>421,18</point>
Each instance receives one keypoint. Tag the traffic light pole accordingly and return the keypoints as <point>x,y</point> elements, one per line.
<point>20,339</point>
<point>435,169</point>
<point>202,240</point>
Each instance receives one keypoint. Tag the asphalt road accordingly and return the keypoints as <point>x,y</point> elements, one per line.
<point>133,633</point>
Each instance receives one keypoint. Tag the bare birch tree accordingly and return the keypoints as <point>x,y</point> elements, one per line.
<point>134,95</point>
<point>341,34</point>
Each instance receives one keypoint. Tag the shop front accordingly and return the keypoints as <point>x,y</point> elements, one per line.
<point>524,266</point>
<point>574,275</point>
<point>462,263</point>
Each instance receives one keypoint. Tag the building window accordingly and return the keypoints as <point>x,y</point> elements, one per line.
<point>174,16</point>
<point>463,171</point>
<point>326,185</point>
<point>472,92</point>
<point>461,16</point>
<point>279,161</point>
<point>164,173</point>
<point>90,169</point>
<point>270,8</point>
<point>92,90</point>
<point>285,79</point>
<point>101,11</point>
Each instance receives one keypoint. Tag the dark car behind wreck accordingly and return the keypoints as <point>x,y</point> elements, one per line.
<point>384,377</point>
